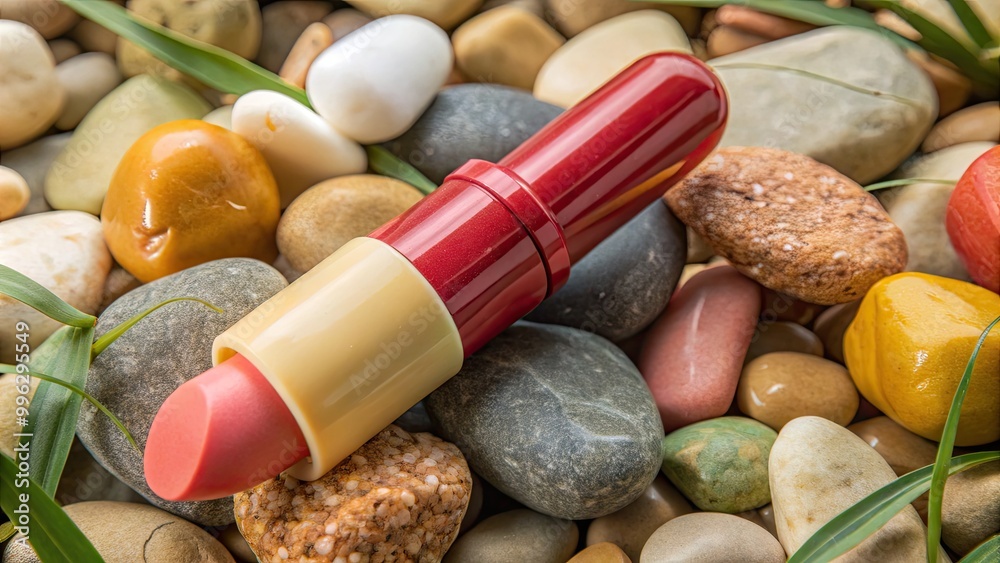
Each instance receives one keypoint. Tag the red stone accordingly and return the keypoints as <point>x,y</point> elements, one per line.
<point>973,219</point>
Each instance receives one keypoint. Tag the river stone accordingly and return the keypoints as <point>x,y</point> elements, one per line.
<point>573,17</point>
<point>30,92</point>
<point>625,282</point>
<point>87,78</point>
<point>861,135</point>
<point>136,374</point>
<point>50,18</point>
<point>919,209</point>
<point>32,162</point>
<point>80,175</point>
<point>518,535</point>
<point>283,23</point>
<point>468,121</point>
<point>817,470</point>
<point>709,537</point>
<point>970,511</point>
<point>557,418</point>
<point>124,532</point>
<point>720,464</point>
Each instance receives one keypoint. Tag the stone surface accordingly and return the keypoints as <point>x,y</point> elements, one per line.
<point>790,223</point>
<point>604,552</point>
<point>93,37</point>
<point>400,496</point>
<point>591,58</point>
<point>818,469</point>
<point>313,41</point>
<point>518,535</point>
<point>951,86</point>
<point>507,45</point>
<point>970,511</point>
<point>726,40</point>
<point>80,175</point>
<point>908,347</point>
<point>86,78</point>
<point>444,13</point>
<point>536,392</point>
<point>777,306</point>
<point>84,479</point>
<point>625,282</point>
<point>760,23</point>
<point>237,545</point>
<point>30,91</point>
<point>234,25</point>
<point>630,527</point>
<point>124,532</point>
<point>328,215</point>
<point>720,464</point>
<point>14,193</point>
<point>783,336</point>
<point>831,325</point>
<point>694,352</point>
<point>861,135</point>
<point>118,283</point>
<point>919,209</point>
<point>707,537</point>
<point>49,17</point>
<point>300,147</point>
<point>980,122</point>
<point>470,121</point>
<point>345,20</point>
<point>32,162</point>
<point>572,18</point>
<point>65,253</point>
<point>136,374</point>
<point>283,23</point>
<point>972,220</point>
<point>63,49</point>
<point>155,229</point>
<point>10,389</point>
<point>779,386</point>
<point>373,84</point>
<point>221,116</point>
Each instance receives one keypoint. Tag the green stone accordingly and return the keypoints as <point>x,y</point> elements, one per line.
<point>721,464</point>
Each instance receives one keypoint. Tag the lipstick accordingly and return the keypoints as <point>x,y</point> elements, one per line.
<point>327,363</point>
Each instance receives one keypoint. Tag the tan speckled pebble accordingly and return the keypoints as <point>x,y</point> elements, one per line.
<point>400,497</point>
<point>790,223</point>
<point>709,537</point>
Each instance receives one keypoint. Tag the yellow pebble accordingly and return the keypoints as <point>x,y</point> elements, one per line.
<point>14,193</point>
<point>189,192</point>
<point>908,347</point>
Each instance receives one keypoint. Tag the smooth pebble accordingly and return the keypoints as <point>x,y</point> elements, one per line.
<point>709,537</point>
<point>87,78</point>
<point>517,535</point>
<point>30,92</point>
<point>14,193</point>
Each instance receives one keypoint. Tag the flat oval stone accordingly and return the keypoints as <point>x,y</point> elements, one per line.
<point>373,84</point>
<point>591,58</point>
<point>444,13</point>
<point>625,282</point>
<point>399,494</point>
<point>534,394</point>
<point>710,536</point>
<point>783,336</point>
<point>970,511</point>
<point>518,535</point>
<point>720,464</point>
<point>630,527</point>
<point>694,352</point>
<point>780,386</point>
<point>790,223</point>
<point>50,18</point>
<point>86,78</point>
<point>572,18</point>
<point>604,552</point>
<point>32,162</point>
<point>980,122</point>
<point>31,94</point>
<point>145,365</point>
<point>817,470</point>
<point>14,193</point>
<point>467,121</point>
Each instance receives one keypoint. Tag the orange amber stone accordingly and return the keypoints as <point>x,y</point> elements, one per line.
<point>188,192</point>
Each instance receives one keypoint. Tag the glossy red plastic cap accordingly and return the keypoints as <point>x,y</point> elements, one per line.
<point>223,431</point>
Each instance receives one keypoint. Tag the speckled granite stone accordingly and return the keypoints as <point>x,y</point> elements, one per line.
<point>400,497</point>
<point>557,418</point>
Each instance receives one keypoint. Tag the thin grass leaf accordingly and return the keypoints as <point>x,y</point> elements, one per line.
<point>383,162</point>
<point>906,182</point>
<point>53,535</point>
<point>207,63</point>
<point>32,294</point>
<point>54,410</point>
<point>109,337</point>
<point>7,368</point>
<point>971,22</point>
<point>986,552</point>
<point>945,448</point>
<point>852,526</point>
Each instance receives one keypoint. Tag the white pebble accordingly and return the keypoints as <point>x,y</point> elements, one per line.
<point>87,78</point>
<point>31,96</point>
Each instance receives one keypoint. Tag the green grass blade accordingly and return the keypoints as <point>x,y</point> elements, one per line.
<point>209,64</point>
<point>383,162</point>
<point>109,337</point>
<point>32,294</point>
<point>7,368</point>
<point>945,448</point>
<point>54,537</point>
<point>906,182</point>
<point>971,22</point>
<point>54,410</point>
<point>986,552</point>
<point>852,526</point>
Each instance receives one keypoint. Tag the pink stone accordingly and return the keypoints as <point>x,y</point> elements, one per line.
<point>693,354</point>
